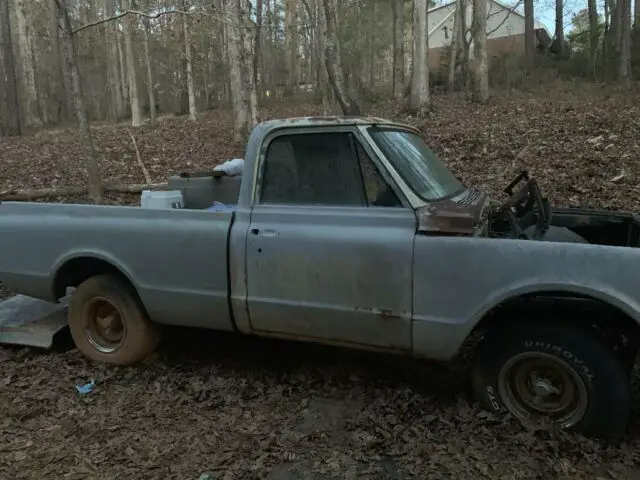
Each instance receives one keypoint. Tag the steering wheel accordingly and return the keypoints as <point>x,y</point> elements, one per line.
<point>527,207</point>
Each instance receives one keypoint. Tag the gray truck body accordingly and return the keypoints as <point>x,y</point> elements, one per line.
<point>359,276</point>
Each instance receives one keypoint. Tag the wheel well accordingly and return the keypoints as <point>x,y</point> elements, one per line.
<point>615,325</point>
<point>79,269</point>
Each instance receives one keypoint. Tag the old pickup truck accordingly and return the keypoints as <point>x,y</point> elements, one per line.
<point>350,231</point>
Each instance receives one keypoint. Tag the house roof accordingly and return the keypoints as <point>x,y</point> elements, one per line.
<point>537,24</point>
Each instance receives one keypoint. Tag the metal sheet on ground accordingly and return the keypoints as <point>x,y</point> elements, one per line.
<point>30,321</point>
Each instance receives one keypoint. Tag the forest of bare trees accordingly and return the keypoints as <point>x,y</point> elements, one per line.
<point>111,60</point>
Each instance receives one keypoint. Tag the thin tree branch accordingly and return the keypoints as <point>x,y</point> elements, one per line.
<point>168,12</point>
<point>124,14</point>
<point>509,12</point>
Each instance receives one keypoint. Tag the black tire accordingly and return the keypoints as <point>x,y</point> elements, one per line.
<point>574,356</point>
<point>130,336</point>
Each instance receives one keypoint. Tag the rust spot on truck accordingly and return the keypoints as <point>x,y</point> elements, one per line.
<point>458,215</point>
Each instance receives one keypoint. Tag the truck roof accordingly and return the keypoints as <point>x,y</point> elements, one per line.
<point>270,125</point>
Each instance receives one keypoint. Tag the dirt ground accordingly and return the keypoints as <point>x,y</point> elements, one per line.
<point>214,406</point>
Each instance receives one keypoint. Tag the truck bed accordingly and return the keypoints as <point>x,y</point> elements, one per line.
<point>179,256</point>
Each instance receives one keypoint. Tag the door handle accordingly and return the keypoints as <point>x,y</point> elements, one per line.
<point>264,232</point>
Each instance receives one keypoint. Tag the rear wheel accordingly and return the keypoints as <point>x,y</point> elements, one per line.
<point>554,374</point>
<point>108,322</point>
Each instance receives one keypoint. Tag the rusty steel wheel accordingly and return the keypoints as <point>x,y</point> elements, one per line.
<point>108,322</point>
<point>553,373</point>
<point>104,327</point>
<point>535,384</point>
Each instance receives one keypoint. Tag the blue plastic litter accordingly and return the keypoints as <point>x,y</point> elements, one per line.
<point>221,207</point>
<point>86,388</point>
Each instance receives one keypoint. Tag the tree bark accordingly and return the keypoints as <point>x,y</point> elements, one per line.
<point>94,185</point>
<point>189,64</point>
<point>559,34</point>
<point>372,62</point>
<point>124,82</point>
<point>593,35</point>
<point>32,114</point>
<point>398,47</point>
<point>11,115</point>
<point>419,98</point>
<point>59,92</point>
<point>529,34</point>
<point>114,83</point>
<point>624,70</point>
<point>147,55</point>
<point>257,45</point>
<point>134,97</point>
<point>291,45</point>
<point>333,61</point>
<point>243,91</point>
<point>480,91</point>
<point>456,42</point>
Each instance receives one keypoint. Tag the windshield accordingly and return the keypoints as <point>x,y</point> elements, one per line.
<point>423,171</point>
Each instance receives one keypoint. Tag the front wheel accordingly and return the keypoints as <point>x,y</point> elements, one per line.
<point>553,373</point>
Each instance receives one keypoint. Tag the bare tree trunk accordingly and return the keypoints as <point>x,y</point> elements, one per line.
<point>636,16</point>
<point>419,98</point>
<point>243,90</point>
<point>480,92</point>
<point>189,62</point>
<point>559,34</point>
<point>257,45</point>
<point>124,83</point>
<point>456,41</point>
<point>324,86</point>
<point>11,115</point>
<point>529,34</point>
<point>593,35</point>
<point>607,31</point>
<point>134,98</point>
<point>291,45</point>
<point>32,114</point>
<point>114,86</point>
<point>398,47</point>
<point>334,62</point>
<point>624,71</point>
<point>372,62</point>
<point>147,55</point>
<point>59,93</point>
<point>614,39</point>
<point>247,37</point>
<point>94,186</point>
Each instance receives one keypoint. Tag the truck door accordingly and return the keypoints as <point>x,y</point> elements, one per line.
<point>330,244</point>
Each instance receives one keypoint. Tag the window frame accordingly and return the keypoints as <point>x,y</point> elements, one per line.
<point>355,135</point>
<point>355,142</point>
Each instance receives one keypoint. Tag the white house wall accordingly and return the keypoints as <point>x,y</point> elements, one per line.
<point>501,22</point>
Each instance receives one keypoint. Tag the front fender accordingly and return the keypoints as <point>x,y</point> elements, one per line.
<point>458,280</point>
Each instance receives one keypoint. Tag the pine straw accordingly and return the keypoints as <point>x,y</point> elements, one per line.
<point>244,408</point>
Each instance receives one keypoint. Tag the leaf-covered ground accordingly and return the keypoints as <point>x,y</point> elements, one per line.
<point>215,406</point>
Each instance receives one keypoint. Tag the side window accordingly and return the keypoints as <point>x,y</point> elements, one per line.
<point>378,191</point>
<point>312,169</point>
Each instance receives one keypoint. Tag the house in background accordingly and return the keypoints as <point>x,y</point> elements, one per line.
<point>505,31</point>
